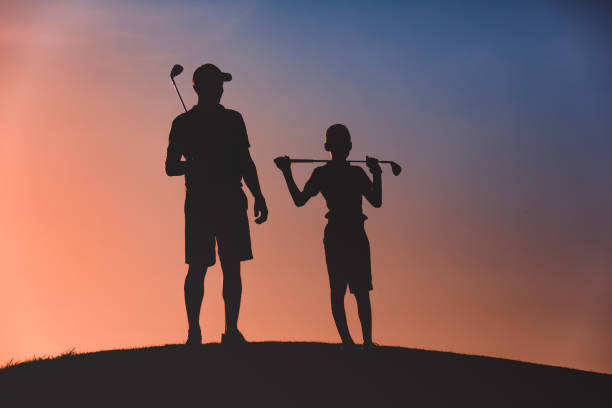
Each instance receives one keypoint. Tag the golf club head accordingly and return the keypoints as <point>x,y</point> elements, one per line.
<point>176,70</point>
<point>395,168</point>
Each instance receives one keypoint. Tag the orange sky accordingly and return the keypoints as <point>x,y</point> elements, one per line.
<point>91,249</point>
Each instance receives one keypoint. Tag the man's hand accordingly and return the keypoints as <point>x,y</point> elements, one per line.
<point>373,165</point>
<point>283,163</point>
<point>261,210</point>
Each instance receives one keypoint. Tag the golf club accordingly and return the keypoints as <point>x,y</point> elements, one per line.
<point>395,168</point>
<point>176,70</point>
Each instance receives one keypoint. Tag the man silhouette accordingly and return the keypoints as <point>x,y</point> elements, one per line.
<point>215,145</point>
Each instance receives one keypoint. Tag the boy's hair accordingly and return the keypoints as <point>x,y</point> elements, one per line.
<point>337,136</point>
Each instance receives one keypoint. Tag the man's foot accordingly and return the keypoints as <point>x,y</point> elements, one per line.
<point>348,346</point>
<point>233,338</point>
<point>370,346</point>
<point>194,338</point>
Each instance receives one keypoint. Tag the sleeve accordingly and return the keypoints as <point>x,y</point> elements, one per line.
<point>313,185</point>
<point>241,132</point>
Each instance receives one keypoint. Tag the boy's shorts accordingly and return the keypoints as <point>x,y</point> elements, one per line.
<point>347,254</point>
<point>226,221</point>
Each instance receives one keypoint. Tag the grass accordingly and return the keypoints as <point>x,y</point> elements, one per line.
<point>12,363</point>
<point>279,374</point>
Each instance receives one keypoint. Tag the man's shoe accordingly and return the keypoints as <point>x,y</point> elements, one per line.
<point>233,338</point>
<point>348,346</point>
<point>370,347</point>
<point>194,338</point>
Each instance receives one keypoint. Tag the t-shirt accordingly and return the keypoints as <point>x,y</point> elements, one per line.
<point>218,140</point>
<point>342,186</point>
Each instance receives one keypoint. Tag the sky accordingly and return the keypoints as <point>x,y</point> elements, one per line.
<point>495,239</point>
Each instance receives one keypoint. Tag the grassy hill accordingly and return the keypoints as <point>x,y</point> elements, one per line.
<point>296,374</point>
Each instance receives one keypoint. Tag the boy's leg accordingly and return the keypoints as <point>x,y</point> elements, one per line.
<point>339,313</point>
<point>194,294</point>
<point>232,292</point>
<point>364,309</point>
<point>333,242</point>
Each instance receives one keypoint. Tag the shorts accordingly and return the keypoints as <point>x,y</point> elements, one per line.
<point>347,254</point>
<point>225,221</point>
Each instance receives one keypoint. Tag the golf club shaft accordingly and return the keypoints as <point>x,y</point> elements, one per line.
<point>327,161</point>
<point>179,94</point>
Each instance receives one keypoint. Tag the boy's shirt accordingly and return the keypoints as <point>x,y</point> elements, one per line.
<point>343,187</point>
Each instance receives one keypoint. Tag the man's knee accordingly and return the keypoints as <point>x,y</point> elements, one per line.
<point>232,282</point>
<point>363,299</point>
<point>231,269</point>
<point>362,295</point>
<point>196,272</point>
<point>337,293</point>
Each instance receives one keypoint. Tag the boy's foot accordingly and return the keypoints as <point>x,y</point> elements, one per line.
<point>233,338</point>
<point>194,338</point>
<point>370,346</point>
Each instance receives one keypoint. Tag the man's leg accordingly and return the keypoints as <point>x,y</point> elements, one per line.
<point>232,293</point>
<point>339,313</point>
<point>364,309</point>
<point>194,294</point>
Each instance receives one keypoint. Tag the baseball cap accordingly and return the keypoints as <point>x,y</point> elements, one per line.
<point>210,72</point>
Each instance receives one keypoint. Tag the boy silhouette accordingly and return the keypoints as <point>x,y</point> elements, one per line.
<point>347,249</point>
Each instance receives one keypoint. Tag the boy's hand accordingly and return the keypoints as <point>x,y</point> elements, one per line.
<point>283,163</point>
<point>373,165</point>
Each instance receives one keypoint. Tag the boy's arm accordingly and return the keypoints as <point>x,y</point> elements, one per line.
<point>374,191</point>
<point>252,181</point>
<point>299,197</point>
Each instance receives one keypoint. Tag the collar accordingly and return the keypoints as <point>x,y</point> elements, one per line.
<point>201,108</point>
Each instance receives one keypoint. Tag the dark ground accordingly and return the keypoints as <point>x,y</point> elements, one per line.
<point>296,374</point>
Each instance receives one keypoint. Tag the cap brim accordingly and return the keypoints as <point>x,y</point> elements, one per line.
<point>226,77</point>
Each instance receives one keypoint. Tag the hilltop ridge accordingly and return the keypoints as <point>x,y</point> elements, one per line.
<point>274,374</point>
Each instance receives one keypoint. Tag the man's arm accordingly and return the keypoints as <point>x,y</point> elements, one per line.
<point>374,191</point>
<point>299,197</point>
<point>252,181</point>
<point>249,171</point>
<point>174,165</point>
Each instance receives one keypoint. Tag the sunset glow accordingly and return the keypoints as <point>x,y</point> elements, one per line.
<point>494,240</point>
